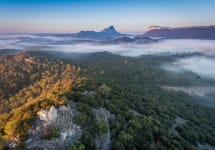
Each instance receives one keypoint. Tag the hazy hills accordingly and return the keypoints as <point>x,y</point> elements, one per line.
<point>107,33</point>
<point>156,40</point>
<point>110,35</point>
<point>195,32</point>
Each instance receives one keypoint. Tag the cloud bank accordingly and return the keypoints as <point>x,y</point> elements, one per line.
<point>203,66</point>
<point>67,44</point>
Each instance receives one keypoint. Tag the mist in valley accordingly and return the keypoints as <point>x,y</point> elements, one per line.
<point>201,65</point>
<point>74,45</point>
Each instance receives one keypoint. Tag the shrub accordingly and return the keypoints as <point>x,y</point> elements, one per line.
<point>77,146</point>
<point>51,133</point>
<point>100,126</point>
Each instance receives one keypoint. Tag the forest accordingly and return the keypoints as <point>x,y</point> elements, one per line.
<point>129,88</point>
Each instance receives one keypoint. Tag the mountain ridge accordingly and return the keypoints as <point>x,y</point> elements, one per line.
<point>106,33</point>
<point>192,32</point>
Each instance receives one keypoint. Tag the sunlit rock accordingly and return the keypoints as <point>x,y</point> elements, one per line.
<point>48,115</point>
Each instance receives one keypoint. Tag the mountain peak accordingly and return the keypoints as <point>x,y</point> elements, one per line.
<point>109,29</point>
<point>106,33</point>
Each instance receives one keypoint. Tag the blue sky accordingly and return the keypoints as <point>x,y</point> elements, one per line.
<point>125,15</point>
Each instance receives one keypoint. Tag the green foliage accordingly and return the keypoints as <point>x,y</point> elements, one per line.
<point>83,107</point>
<point>105,89</point>
<point>85,118</point>
<point>51,133</point>
<point>81,119</point>
<point>88,140</point>
<point>77,146</point>
<point>135,85</point>
<point>129,88</point>
<point>100,127</point>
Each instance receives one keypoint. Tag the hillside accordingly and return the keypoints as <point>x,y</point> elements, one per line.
<point>112,107</point>
<point>22,70</point>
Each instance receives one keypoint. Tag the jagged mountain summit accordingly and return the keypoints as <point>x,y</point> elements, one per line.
<point>193,32</point>
<point>107,33</point>
<point>111,30</point>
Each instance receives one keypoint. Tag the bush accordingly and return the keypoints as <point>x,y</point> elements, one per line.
<point>100,127</point>
<point>50,134</point>
<point>82,107</point>
<point>88,140</point>
<point>81,119</point>
<point>77,146</point>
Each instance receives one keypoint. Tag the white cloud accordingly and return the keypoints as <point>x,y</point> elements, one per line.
<point>49,42</point>
<point>200,65</point>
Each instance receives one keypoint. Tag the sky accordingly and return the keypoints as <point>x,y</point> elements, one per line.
<point>126,15</point>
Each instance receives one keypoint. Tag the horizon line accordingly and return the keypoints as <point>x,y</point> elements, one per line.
<point>68,32</point>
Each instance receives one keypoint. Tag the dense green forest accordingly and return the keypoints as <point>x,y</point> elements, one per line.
<point>129,88</point>
<point>135,85</point>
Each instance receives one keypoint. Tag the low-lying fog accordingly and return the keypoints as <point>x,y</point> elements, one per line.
<point>204,66</point>
<point>201,65</point>
<point>193,90</point>
<point>66,44</point>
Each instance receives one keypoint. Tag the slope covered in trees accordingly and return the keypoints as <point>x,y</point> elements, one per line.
<point>142,114</point>
<point>19,71</point>
<point>48,80</point>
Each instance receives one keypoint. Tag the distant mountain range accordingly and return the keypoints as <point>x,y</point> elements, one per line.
<point>110,36</point>
<point>195,32</point>
<point>107,33</point>
<point>107,36</point>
